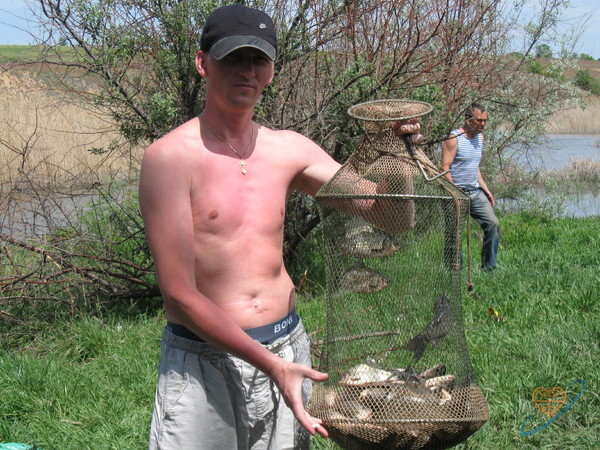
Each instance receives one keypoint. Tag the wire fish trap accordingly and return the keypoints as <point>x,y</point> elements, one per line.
<point>394,345</point>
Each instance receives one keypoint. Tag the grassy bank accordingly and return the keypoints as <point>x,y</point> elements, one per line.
<point>89,384</point>
<point>28,53</point>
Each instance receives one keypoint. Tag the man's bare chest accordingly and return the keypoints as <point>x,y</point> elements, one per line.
<point>224,199</point>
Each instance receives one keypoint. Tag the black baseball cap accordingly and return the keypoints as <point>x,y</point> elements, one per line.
<point>236,26</point>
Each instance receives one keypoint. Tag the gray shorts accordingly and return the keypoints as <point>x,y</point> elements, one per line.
<point>209,399</point>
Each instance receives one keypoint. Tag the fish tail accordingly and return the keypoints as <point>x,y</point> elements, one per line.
<point>417,346</point>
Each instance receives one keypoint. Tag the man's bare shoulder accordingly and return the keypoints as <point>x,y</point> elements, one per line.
<point>289,137</point>
<point>177,139</point>
<point>312,164</point>
<point>295,145</point>
<point>451,142</point>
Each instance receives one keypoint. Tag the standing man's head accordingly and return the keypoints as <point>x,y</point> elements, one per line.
<point>475,118</point>
<point>238,48</point>
<point>236,26</point>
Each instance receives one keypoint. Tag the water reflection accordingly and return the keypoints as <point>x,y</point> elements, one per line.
<point>562,148</point>
<point>23,215</point>
<point>557,154</point>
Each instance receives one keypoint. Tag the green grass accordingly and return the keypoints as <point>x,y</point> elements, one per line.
<point>15,53</point>
<point>547,291</point>
<point>90,383</point>
<point>87,384</point>
<point>31,53</point>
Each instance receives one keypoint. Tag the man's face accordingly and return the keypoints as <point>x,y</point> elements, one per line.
<point>240,77</point>
<point>477,122</point>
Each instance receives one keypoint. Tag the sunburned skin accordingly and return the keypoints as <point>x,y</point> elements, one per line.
<point>238,230</point>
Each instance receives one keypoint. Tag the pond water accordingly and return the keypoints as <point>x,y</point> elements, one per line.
<point>561,148</point>
<point>557,154</point>
<point>22,214</point>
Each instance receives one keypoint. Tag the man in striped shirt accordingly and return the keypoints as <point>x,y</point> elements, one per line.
<point>461,155</point>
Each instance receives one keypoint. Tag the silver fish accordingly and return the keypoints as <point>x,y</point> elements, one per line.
<point>391,397</point>
<point>364,241</point>
<point>436,330</point>
<point>357,225</point>
<point>364,280</point>
<point>442,395</point>
<point>444,382</point>
<point>354,409</point>
<point>381,391</point>
<point>365,374</point>
<point>436,371</point>
<point>377,394</point>
<point>370,373</point>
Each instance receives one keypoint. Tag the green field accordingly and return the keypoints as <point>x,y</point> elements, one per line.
<point>15,53</point>
<point>89,384</point>
<point>32,53</point>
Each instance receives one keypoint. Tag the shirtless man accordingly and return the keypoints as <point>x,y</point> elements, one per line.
<point>213,193</point>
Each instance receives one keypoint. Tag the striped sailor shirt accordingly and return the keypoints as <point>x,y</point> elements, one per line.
<point>465,167</point>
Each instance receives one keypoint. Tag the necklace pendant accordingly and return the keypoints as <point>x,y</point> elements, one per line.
<point>243,165</point>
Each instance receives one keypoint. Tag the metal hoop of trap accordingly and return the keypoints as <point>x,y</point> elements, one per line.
<point>389,110</point>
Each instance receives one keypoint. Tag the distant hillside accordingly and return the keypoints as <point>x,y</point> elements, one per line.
<point>592,66</point>
<point>25,53</point>
<point>24,79</point>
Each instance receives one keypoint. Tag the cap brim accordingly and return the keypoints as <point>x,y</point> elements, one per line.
<point>229,44</point>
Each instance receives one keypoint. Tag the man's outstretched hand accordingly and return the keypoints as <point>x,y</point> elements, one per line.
<point>289,379</point>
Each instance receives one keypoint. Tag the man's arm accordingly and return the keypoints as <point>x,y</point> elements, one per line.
<point>165,203</point>
<point>322,169</point>
<point>449,149</point>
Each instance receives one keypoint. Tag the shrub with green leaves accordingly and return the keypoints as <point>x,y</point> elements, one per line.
<point>587,82</point>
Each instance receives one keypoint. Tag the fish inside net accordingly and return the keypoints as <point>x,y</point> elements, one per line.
<point>394,344</point>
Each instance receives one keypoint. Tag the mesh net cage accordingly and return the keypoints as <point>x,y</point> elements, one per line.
<point>394,346</point>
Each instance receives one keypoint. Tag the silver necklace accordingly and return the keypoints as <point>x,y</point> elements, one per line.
<point>242,163</point>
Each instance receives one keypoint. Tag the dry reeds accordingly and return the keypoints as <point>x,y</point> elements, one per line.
<point>580,171</point>
<point>55,140</point>
<point>577,120</point>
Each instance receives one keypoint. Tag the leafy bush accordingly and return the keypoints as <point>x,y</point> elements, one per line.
<point>586,57</point>
<point>550,71</point>
<point>584,80</point>
<point>543,51</point>
<point>99,261</point>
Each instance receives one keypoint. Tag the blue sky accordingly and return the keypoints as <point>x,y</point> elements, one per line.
<point>590,40</point>
<point>12,17</point>
<point>14,26</point>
